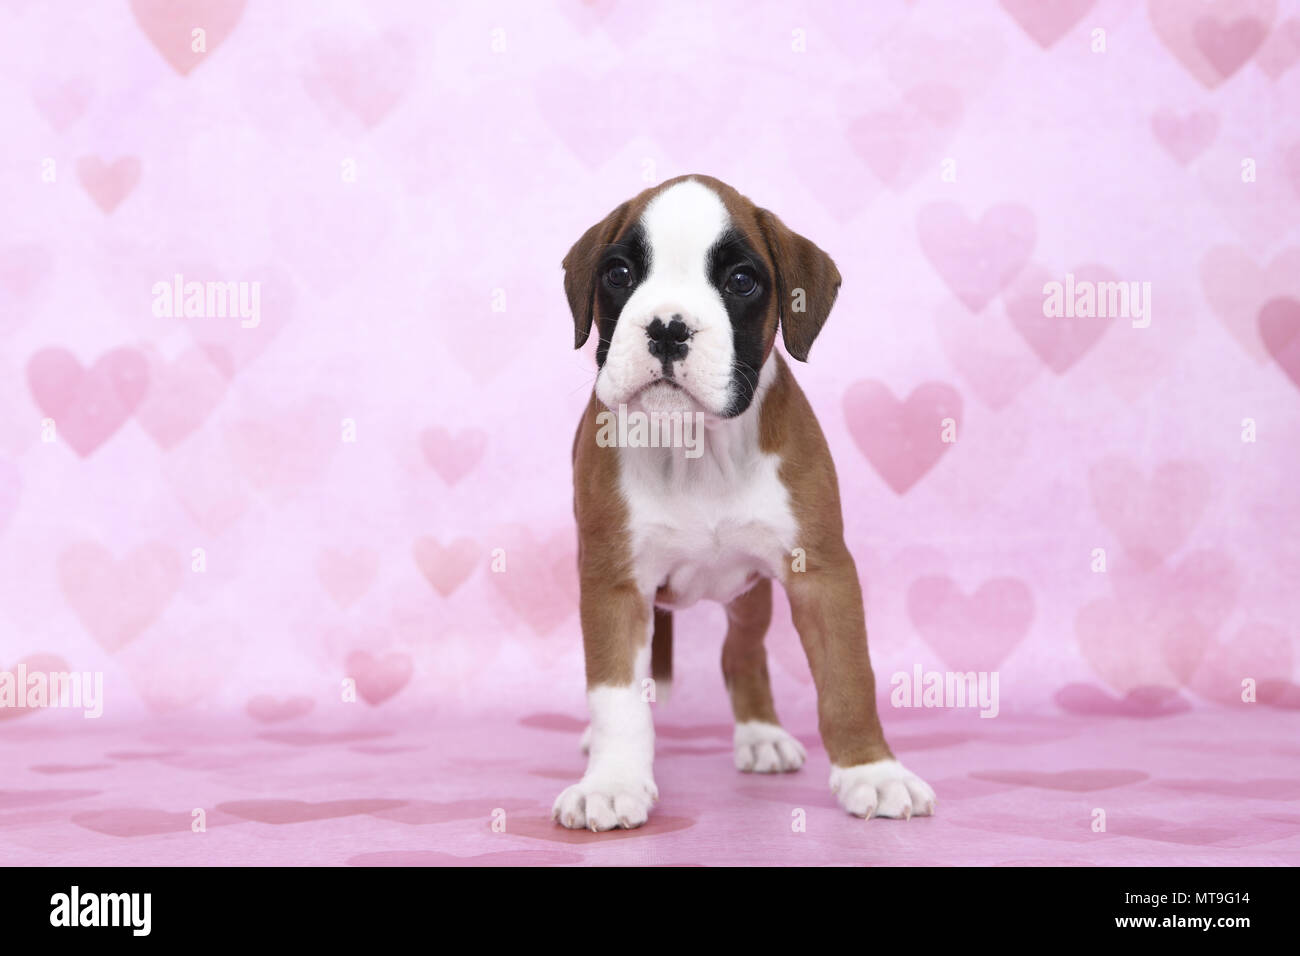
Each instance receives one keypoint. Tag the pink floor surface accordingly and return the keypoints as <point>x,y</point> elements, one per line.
<point>1188,789</point>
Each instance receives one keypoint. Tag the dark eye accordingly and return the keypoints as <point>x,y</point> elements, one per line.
<point>741,282</point>
<point>618,275</point>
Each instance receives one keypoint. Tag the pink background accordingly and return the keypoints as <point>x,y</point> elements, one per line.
<point>423,301</point>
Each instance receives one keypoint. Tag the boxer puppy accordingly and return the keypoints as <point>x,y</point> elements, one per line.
<point>686,286</point>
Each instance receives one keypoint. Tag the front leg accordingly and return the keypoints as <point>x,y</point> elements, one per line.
<point>826,603</point>
<point>618,788</point>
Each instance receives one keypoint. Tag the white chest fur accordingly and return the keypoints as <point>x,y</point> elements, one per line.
<point>706,528</point>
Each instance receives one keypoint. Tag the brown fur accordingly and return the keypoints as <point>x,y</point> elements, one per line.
<point>615,616</point>
<point>825,598</point>
<point>744,659</point>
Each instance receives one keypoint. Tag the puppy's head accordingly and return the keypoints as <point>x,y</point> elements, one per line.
<point>687,284</point>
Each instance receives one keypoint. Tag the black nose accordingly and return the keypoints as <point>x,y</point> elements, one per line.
<point>668,340</point>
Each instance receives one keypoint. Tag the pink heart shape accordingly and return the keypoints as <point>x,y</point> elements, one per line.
<point>182,393</point>
<point>347,575</point>
<point>1185,136</point>
<point>1227,46</point>
<point>1132,644</point>
<point>1161,622</point>
<point>1046,21</point>
<point>900,143</point>
<point>901,440</point>
<point>87,405</point>
<point>1059,341</point>
<point>62,102</point>
<point>108,183</point>
<point>976,260</point>
<point>116,600</point>
<point>1212,38</point>
<point>1204,585</point>
<point>986,353</point>
<point>842,196</point>
<point>1237,288</point>
<point>379,678</point>
<point>939,103</point>
<point>975,633</point>
<point>1152,517</point>
<point>228,344</point>
<point>207,484</point>
<point>452,456</point>
<point>303,811</point>
<point>139,821</point>
<point>446,568</point>
<point>1281,50</point>
<point>1258,651</point>
<point>361,79</point>
<point>169,25</point>
<point>540,580</point>
<point>1279,328</point>
<point>282,452</point>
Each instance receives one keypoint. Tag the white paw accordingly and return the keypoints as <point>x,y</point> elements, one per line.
<point>584,744</point>
<point>605,802</point>
<point>766,748</point>
<point>884,788</point>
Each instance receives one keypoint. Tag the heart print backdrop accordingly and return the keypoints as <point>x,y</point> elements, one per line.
<point>357,467</point>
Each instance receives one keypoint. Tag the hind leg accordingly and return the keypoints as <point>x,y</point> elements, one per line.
<point>761,744</point>
<point>661,653</point>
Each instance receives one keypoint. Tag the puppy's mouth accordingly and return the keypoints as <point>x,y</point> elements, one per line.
<point>666,382</point>
<point>664,395</point>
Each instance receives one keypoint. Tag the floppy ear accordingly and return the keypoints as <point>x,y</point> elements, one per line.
<point>806,284</point>
<point>580,271</point>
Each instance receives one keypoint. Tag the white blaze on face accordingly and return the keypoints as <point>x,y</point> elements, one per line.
<point>681,225</point>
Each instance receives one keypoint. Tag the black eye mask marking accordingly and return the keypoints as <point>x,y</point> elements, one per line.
<point>632,251</point>
<point>732,253</point>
